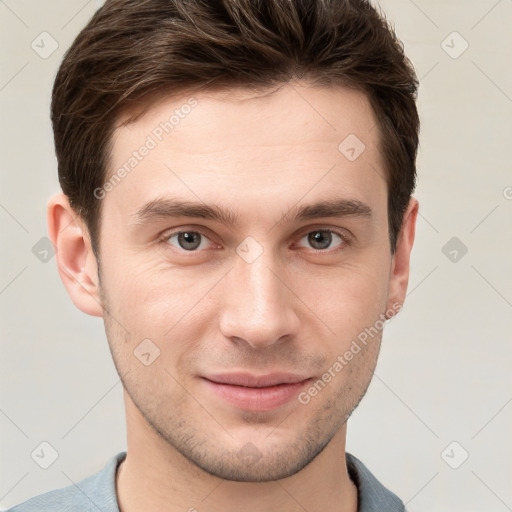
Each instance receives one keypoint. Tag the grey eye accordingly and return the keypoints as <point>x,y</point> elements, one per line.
<point>321,239</point>
<point>188,240</point>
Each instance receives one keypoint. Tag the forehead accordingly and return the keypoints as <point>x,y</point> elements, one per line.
<point>242,144</point>
<point>294,112</point>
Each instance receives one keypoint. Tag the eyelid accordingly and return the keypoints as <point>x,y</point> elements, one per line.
<point>345,234</point>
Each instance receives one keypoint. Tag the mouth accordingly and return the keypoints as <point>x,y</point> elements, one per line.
<point>256,392</point>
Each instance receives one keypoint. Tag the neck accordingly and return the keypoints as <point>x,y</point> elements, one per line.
<point>155,476</point>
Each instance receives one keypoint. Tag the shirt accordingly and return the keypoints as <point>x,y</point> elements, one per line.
<point>97,493</point>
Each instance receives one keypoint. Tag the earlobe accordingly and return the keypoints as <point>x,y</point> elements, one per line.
<point>399,277</point>
<point>76,261</point>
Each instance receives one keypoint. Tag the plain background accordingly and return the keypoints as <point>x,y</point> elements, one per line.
<point>444,373</point>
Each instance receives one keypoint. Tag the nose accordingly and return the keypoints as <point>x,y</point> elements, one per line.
<point>258,306</point>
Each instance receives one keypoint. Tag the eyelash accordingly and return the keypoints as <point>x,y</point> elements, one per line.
<point>346,240</point>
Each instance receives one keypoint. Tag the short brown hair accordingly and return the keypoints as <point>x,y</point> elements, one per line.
<point>131,49</point>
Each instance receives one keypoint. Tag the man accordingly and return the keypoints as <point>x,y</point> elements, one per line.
<point>236,205</point>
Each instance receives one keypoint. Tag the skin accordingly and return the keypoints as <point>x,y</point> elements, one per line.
<point>295,308</point>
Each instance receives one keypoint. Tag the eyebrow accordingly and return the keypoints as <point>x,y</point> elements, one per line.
<point>163,208</point>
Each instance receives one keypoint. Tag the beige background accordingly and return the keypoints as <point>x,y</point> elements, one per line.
<point>444,374</point>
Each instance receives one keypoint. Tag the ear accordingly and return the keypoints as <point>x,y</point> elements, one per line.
<point>399,277</point>
<point>76,261</point>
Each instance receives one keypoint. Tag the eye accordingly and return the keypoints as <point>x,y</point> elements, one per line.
<point>188,240</point>
<point>321,239</point>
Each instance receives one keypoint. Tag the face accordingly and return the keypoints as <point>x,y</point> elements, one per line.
<point>241,257</point>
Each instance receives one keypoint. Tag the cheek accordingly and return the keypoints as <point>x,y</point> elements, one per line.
<point>347,298</point>
<point>139,290</point>
<point>166,306</point>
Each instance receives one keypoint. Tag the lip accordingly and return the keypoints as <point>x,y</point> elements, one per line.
<point>256,392</point>
<point>255,381</point>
